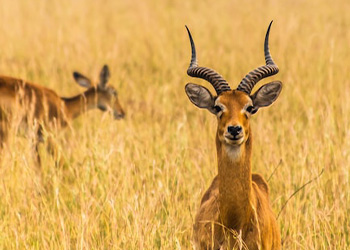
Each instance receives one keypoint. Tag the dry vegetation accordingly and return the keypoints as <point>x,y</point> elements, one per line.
<point>137,183</point>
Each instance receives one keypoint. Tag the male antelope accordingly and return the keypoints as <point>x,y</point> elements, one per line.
<point>31,104</point>
<point>235,210</point>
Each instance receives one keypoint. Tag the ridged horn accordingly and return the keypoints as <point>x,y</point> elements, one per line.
<point>219,83</point>
<point>248,82</point>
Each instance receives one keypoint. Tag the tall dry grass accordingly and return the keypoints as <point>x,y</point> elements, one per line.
<point>137,183</point>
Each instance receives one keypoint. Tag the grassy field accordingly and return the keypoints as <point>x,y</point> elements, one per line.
<point>137,183</point>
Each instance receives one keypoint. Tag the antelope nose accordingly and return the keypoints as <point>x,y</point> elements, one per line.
<point>119,115</point>
<point>234,130</point>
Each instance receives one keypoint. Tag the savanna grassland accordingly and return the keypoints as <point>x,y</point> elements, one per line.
<point>137,183</point>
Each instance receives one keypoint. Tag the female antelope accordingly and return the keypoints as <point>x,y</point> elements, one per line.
<point>29,104</point>
<point>235,211</point>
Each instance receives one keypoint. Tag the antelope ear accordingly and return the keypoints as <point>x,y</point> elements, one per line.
<point>266,95</point>
<point>200,96</point>
<point>104,76</point>
<point>82,80</point>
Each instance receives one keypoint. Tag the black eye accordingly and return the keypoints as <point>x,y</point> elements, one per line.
<point>101,107</point>
<point>217,109</point>
<point>249,109</point>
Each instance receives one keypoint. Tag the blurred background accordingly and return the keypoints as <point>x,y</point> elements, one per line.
<point>137,183</point>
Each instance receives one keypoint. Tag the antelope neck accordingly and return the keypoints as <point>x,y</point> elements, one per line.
<point>81,103</point>
<point>235,183</point>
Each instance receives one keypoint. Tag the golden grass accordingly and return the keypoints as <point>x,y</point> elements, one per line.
<point>137,183</point>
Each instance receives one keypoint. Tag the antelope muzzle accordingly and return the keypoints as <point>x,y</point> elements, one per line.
<point>234,134</point>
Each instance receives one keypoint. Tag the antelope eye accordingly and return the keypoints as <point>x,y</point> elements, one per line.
<point>217,109</point>
<point>249,109</point>
<point>102,108</point>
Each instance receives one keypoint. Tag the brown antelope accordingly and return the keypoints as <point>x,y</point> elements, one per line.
<point>235,211</point>
<point>31,104</point>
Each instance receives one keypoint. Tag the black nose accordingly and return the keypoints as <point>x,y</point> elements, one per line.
<point>234,130</point>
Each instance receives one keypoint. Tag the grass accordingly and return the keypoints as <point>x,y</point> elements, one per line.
<point>137,183</point>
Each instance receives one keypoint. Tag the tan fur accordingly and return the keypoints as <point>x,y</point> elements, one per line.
<point>31,105</point>
<point>236,205</point>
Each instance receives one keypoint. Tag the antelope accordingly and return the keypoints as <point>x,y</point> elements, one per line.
<point>235,211</point>
<point>37,106</point>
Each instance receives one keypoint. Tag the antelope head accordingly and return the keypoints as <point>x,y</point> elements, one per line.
<point>233,108</point>
<point>102,95</point>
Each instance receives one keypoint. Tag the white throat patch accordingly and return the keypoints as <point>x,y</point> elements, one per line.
<point>234,152</point>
